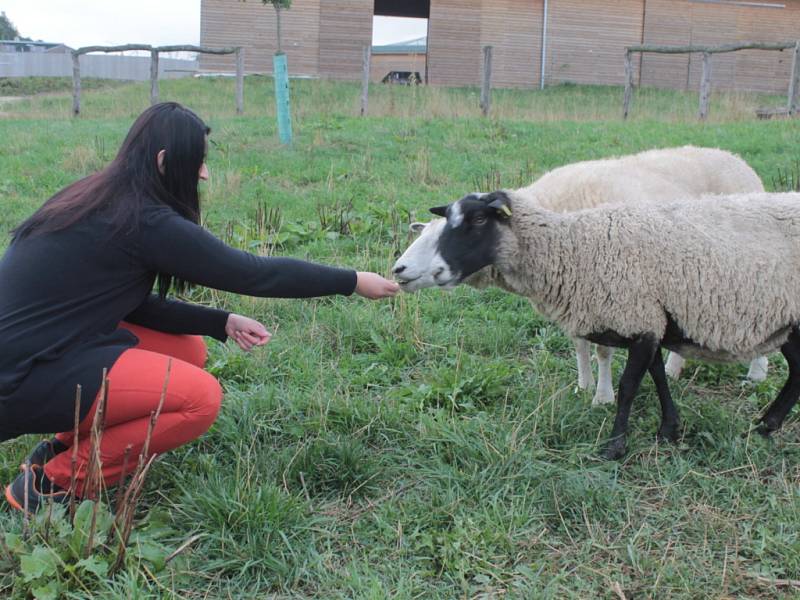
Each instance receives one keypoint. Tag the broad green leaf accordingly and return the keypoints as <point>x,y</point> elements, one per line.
<point>155,525</point>
<point>47,514</point>
<point>150,551</point>
<point>41,562</point>
<point>94,565</point>
<point>15,543</point>
<point>50,591</point>
<point>105,520</point>
<point>81,525</point>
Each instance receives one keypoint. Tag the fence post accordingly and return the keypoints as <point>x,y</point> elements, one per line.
<point>365,80</point>
<point>76,83</point>
<point>626,101</point>
<point>239,80</point>
<point>153,76</point>
<point>281,76</point>
<point>794,82</point>
<point>705,86</point>
<point>486,88</point>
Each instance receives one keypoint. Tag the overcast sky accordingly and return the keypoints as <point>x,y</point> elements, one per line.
<point>157,22</point>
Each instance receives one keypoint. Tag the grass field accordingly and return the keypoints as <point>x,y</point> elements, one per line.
<point>432,446</point>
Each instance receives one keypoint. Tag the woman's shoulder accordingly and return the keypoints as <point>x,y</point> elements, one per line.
<point>152,208</point>
<point>161,221</point>
<point>157,214</point>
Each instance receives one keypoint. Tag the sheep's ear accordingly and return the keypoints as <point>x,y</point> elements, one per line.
<point>501,204</point>
<point>417,227</point>
<point>439,211</point>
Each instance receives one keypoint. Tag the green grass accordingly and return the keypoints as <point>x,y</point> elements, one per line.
<point>432,446</point>
<point>29,86</point>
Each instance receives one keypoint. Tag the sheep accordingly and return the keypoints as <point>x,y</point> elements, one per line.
<point>715,278</point>
<point>655,175</point>
<point>411,272</point>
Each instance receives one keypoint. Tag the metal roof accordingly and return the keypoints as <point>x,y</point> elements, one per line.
<point>415,46</point>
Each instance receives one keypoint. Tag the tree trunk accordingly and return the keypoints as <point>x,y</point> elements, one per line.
<point>278,20</point>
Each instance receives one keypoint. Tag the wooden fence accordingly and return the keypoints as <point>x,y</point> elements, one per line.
<point>154,52</point>
<point>705,80</point>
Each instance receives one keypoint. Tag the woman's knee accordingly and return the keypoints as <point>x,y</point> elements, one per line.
<point>206,399</point>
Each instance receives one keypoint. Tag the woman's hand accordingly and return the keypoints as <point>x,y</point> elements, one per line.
<point>373,286</point>
<point>246,332</point>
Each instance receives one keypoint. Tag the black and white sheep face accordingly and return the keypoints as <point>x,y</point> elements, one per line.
<point>450,250</point>
<point>413,270</point>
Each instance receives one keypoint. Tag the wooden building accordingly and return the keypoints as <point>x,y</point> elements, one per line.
<point>535,41</point>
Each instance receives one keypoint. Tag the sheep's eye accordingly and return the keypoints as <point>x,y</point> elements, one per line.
<point>479,220</point>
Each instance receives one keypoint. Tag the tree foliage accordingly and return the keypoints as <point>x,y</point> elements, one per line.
<point>7,29</point>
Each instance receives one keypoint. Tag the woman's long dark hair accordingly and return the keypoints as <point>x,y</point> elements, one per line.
<point>133,179</point>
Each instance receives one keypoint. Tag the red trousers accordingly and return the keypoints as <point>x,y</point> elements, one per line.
<point>135,384</point>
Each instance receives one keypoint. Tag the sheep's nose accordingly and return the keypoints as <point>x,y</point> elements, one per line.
<point>399,269</point>
<point>438,272</point>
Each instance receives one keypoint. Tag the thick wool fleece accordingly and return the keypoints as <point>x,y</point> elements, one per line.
<point>654,175</point>
<point>725,268</point>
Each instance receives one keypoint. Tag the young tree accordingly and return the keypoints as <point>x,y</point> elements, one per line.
<point>279,5</point>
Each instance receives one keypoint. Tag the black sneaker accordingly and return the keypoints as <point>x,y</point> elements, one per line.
<point>15,491</point>
<point>43,452</point>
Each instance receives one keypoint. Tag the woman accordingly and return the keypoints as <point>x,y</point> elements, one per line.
<point>76,297</point>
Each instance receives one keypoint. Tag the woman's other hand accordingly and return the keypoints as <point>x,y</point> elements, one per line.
<point>246,332</point>
<point>373,286</point>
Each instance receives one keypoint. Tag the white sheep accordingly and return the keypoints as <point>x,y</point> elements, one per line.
<point>715,277</point>
<point>653,175</point>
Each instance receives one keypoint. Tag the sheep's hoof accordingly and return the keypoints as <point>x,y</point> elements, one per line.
<point>674,366</point>
<point>669,433</point>
<point>614,449</point>
<point>765,430</point>
<point>758,369</point>
<point>603,397</point>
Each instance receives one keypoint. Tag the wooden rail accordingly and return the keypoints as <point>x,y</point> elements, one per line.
<point>705,81</point>
<point>154,53</point>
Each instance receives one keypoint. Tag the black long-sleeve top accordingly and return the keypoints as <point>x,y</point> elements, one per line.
<point>63,295</point>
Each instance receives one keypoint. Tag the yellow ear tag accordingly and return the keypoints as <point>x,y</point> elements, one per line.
<point>505,210</point>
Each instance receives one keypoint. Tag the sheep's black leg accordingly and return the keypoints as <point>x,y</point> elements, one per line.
<point>780,407</point>
<point>640,355</point>
<point>670,422</point>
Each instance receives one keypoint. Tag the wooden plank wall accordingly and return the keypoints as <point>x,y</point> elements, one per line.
<point>588,46</point>
<point>514,30</point>
<point>766,71</point>
<point>345,28</point>
<point>713,25</point>
<point>585,40</point>
<point>454,49</point>
<point>666,23</point>
<point>252,25</point>
<point>678,22</point>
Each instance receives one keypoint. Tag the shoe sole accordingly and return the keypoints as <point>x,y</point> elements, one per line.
<point>11,500</point>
